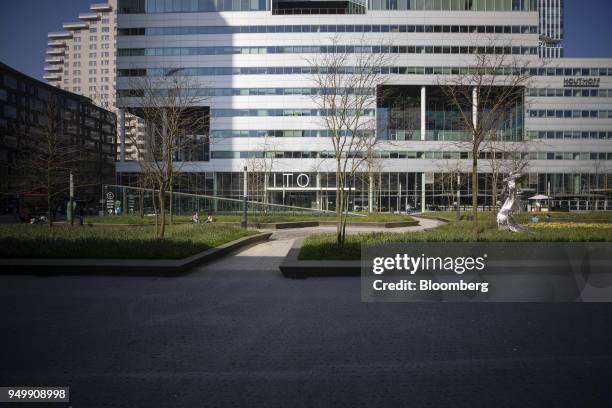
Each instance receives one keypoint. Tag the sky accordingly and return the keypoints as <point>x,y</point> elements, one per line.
<point>24,25</point>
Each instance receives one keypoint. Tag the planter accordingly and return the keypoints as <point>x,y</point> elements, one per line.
<point>292,267</point>
<point>125,267</point>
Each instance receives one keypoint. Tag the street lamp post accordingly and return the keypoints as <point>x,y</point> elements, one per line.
<point>71,202</point>
<point>458,197</point>
<point>244,209</point>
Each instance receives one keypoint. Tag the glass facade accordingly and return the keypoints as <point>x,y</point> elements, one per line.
<point>339,28</point>
<point>391,70</point>
<point>324,49</point>
<point>455,5</point>
<point>190,6</point>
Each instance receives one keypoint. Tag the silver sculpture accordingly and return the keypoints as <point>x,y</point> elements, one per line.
<point>505,221</point>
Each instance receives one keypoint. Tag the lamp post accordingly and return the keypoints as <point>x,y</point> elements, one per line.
<point>244,209</point>
<point>71,202</point>
<point>458,196</point>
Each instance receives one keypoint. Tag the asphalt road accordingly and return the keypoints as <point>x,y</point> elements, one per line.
<point>245,336</point>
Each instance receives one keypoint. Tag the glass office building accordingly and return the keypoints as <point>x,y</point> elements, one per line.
<point>249,61</point>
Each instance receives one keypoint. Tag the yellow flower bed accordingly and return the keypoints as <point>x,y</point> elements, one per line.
<point>559,225</point>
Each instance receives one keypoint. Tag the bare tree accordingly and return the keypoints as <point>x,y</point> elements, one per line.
<point>260,164</point>
<point>485,98</point>
<point>46,153</point>
<point>346,81</point>
<point>176,129</point>
<point>449,179</point>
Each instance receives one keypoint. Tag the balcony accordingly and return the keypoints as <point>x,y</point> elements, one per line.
<point>75,26</point>
<point>56,51</point>
<point>89,16</point>
<point>54,60</point>
<point>52,77</point>
<point>54,68</point>
<point>290,7</point>
<point>100,7</point>
<point>56,44</point>
<point>60,35</point>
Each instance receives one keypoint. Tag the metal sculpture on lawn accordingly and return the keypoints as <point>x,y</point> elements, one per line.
<point>505,221</point>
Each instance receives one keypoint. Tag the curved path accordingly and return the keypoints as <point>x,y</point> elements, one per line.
<point>268,255</point>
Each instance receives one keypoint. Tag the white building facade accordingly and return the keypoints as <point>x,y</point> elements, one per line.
<point>251,61</point>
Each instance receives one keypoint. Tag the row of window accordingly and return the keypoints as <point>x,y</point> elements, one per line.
<point>570,92</point>
<point>551,113</point>
<point>437,155</point>
<point>190,6</point>
<point>229,133</point>
<point>194,6</point>
<point>205,92</point>
<point>399,135</point>
<point>340,28</point>
<point>414,70</point>
<point>455,5</point>
<point>414,135</point>
<point>569,134</point>
<point>539,92</point>
<point>229,113</point>
<point>324,49</point>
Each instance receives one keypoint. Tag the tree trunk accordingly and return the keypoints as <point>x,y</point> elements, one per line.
<point>141,203</point>
<point>370,193</point>
<point>49,201</point>
<point>162,213</point>
<point>339,202</point>
<point>171,204</point>
<point>474,185</point>
<point>494,179</point>
<point>346,211</point>
<point>154,200</point>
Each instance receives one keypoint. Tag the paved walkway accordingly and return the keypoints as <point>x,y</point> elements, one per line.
<point>269,255</point>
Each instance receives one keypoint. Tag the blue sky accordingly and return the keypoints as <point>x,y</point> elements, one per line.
<point>24,25</point>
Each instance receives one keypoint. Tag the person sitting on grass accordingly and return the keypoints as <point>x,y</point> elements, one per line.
<point>196,218</point>
<point>547,218</point>
<point>535,219</point>
<point>209,219</point>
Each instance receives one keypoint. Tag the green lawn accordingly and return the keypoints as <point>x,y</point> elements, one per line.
<point>323,246</point>
<point>38,241</point>
<point>590,216</point>
<point>257,219</point>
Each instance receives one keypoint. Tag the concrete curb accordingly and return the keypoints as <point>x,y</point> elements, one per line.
<point>293,268</point>
<point>431,217</point>
<point>292,224</point>
<point>390,224</point>
<point>275,225</point>
<point>124,267</point>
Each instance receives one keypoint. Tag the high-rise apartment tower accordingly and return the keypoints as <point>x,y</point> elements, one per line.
<point>551,28</point>
<point>82,59</point>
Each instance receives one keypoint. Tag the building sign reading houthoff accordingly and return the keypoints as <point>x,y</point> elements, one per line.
<point>581,82</point>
